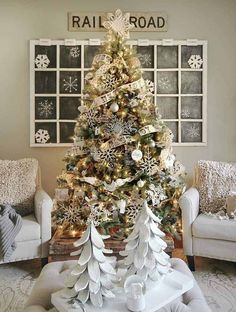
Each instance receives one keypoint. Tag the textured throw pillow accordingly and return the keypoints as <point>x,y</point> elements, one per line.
<point>214,182</point>
<point>18,184</point>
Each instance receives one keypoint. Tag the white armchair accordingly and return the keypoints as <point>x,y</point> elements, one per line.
<point>204,235</point>
<point>32,240</point>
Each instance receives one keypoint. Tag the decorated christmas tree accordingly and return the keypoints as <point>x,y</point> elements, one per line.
<point>93,275</point>
<point>122,153</point>
<point>144,251</point>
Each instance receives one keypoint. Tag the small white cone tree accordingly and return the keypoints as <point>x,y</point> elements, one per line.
<point>93,276</point>
<point>144,252</point>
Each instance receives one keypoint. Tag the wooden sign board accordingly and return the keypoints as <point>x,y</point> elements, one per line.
<point>153,21</point>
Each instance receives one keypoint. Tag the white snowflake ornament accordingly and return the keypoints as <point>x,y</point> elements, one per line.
<point>98,214</point>
<point>41,61</point>
<point>42,136</point>
<point>132,210</point>
<point>118,126</point>
<point>107,156</point>
<point>195,61</point>
<point>119,23</point>
<point>109,82</point>
<point>155,194</point>
<point>148,164</point>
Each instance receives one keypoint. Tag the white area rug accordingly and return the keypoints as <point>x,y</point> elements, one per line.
<point>16,283</point>
<point>217,280</point>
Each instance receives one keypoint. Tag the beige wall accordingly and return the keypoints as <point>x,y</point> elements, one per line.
<point>22,20</point>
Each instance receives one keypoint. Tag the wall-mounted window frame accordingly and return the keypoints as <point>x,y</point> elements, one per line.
<point>180,90</point>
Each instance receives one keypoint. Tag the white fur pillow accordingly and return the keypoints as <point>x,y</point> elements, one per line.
<point>214,182</point>
<point>18,184</point>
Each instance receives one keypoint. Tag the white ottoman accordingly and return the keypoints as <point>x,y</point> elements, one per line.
<point>53,274</point>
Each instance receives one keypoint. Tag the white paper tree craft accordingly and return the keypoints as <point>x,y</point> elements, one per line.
<point>92,278</point>
<point>144,251</point>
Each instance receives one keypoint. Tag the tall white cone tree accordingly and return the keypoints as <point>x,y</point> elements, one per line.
<point>93,276</point>
<point>144,251</point>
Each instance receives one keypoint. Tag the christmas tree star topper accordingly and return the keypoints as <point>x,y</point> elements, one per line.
<point>119,23</point>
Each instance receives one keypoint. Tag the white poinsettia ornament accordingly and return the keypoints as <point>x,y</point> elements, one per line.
<point>93,276</point>
<point>144,252</point>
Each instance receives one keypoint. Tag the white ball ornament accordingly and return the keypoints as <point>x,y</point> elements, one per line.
<point>140,183</point>
<point>114,107</point>
<point>152,143</point>
<point>137,155</point>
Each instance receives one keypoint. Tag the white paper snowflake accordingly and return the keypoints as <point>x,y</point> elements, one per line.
<point>164,83</point>
<point>145,59</point>
<point>45,108</point>
<point>70,84</point>
<point>118,23</point>
<point>133,209</point>
<point>195,61</point>
<point>90,117</point>
<point>109,82</point>
<point>108,156</point>
<point>98,214</point>
<point>148,164</point>
<point>116,125</point>
<point>185,113</point>
<point>193,131</point>
<point>71,214</point>
<point>156,194</point>
<point>42,136</point>
<point>42,61</point>
<point>75,52</point>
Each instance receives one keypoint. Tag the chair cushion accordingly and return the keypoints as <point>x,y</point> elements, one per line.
<point>214,180</point>
<point>30,229</point>
<point>207,227</point>
<point>18,184</point>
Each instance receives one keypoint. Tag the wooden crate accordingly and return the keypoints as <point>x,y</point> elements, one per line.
<point>60,246</point>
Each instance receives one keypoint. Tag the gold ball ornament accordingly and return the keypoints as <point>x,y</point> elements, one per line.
<point>158,136</point>
<point>134,62</point>
<point>178,192</point>
<point>175,203</point>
